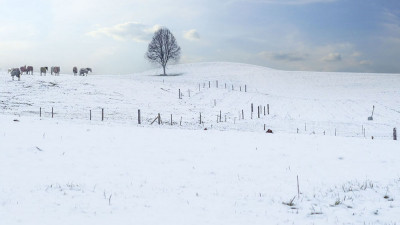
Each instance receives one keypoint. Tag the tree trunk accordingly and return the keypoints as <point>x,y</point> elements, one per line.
<point>164,70</point>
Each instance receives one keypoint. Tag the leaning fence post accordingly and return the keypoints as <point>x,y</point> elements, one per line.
<point>139,116</point>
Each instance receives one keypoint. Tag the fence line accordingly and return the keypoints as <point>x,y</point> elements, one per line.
<point>230,122</point>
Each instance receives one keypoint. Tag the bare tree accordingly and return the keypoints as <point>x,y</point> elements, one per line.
<point>163,48</point>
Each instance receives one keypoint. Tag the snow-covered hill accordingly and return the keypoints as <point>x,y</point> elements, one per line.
<point>309,101</point>
<point>72,170</point>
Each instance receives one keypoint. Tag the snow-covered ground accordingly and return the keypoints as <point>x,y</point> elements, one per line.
<point>70,170</point>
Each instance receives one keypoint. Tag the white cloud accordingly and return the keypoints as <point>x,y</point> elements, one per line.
<point>332,57</point>
<point>365,63</point>
<point>284,56</point>
<point>191,35</point>
<point>127,31</point>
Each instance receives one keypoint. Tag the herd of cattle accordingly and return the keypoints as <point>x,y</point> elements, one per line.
<point>16,72</point>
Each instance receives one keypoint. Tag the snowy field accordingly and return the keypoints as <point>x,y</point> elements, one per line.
<point>72,170</point>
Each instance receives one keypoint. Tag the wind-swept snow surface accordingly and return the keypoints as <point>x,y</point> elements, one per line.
<point>72,170</point>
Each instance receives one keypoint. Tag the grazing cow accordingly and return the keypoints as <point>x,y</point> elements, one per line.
<point>43,70</point>
<point>84,71</point>
<point>15,72</point>
<point>75,70</point>
<point>23,69</point>
<point>55,70</point>
<point>29,69</point>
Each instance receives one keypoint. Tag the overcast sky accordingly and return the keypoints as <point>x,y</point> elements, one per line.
<point>112,36</point>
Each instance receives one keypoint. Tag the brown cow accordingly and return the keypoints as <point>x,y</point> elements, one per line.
<point>29,69</point>
<point>23,69</point>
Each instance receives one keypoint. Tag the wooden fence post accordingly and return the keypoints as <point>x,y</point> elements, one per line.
<point>90,114</point>
<point>258,109</point>
<point>251,107</point>
<point>394,134</point>
<point>240,88</point>
<point>217,83</point>
<point>298,187</point>
<point>200,118</point>
<point>179,93</point>
<point>242,115</point>
<point>102,114</point>
<point>209,84</point>
<point>268,109</point>
<point>52,112</point>
<point>40,112</point>
<point>159,119</point>
<point>180,122</point>
<point>220,116</point>
<point>225,85</point>
<point>171,119</point>
<point>232,87</point>
<point>245,88</point>
<point>139,116</point>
